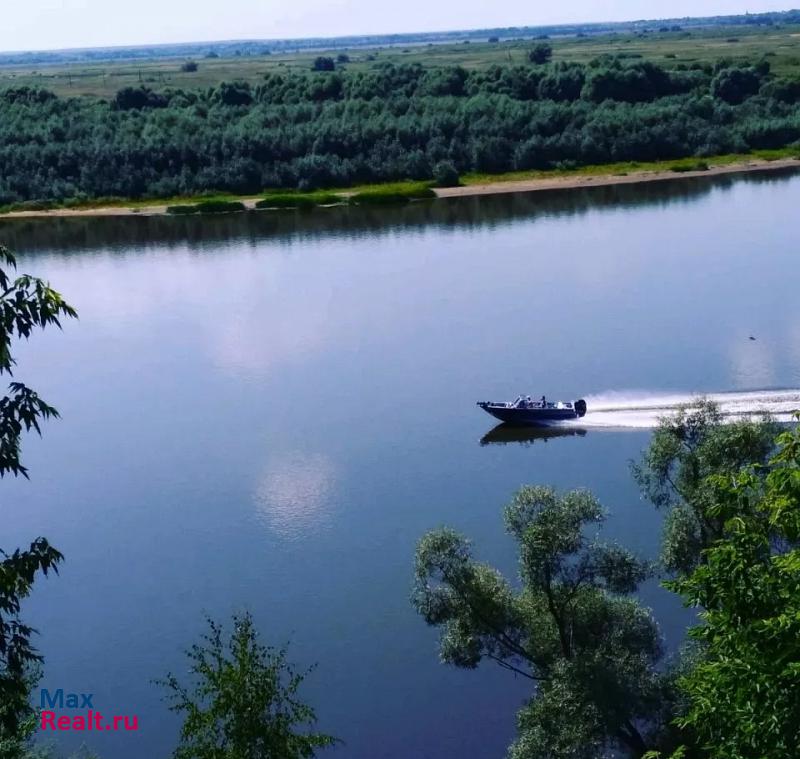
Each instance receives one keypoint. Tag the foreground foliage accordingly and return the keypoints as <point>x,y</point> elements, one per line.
<point>744,694</point>
<point>590,649</point>
<point>25,304</point>
<point>242,703</point>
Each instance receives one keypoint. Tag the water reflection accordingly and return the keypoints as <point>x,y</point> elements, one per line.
<point>504,434</point>
<point>793,344</point>
<point>241,346</point>
<point>752,363</point>
<point>81,234</point>
<point>294,496</point>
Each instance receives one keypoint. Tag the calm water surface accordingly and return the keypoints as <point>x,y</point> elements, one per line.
<point>266,412</point>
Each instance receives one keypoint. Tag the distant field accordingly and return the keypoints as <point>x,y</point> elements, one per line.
<point>781,45</point>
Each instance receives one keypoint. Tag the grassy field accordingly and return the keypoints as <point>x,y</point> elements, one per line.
<point>781,45</point>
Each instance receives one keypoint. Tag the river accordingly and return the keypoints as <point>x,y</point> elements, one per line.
<point>267,411</point>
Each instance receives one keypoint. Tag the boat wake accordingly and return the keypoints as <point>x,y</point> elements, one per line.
<point>642,410</point>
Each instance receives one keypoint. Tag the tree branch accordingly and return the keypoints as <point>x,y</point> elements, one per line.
<point>498,634</point>
<point>518,671</point>
<point>566,649</point>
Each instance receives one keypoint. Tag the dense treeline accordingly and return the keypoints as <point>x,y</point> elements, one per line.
<point>324,129</point>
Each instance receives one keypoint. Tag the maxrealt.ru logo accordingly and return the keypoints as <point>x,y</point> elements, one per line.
<point>90,719</point>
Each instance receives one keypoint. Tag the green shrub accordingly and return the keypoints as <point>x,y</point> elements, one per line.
<point>391,196</point>
<point>33,205</point>
<point>379,198</point>
<point>540,54</point>
<point>220,206</point>
<point>690,166</point>
<point>292,200</point>
<point>285,201</point>
<point>81,200</point>
<point>182,210</point>
<point>323,63</point>
<point>327,199</point>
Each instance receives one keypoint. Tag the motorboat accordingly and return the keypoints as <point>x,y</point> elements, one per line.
<point>526,411</point>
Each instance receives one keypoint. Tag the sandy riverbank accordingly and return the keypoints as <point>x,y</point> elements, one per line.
<point>561,182</point>
<point>574,181</point>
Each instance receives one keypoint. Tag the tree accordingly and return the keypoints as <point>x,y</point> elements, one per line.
<point>234,93</point>
<point>444,81</point>
<point>243,703</point>
<point>589,649</point>
<point>189,67</point>
<point>744,694</point>
<point>564,82</point>
<point>673,474</point>
<point>25,304</point>
<point>445,174</point>
<point>129,98</point>
<point>323,63</point>
<point>785,90</point>
<point>540,53</point>
<point>735,85</point>
<point>343,58</point>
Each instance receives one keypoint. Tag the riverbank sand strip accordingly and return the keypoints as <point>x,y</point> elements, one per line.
<point>576,181</point>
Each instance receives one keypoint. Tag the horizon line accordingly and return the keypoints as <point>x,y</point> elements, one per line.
<point>355,36</point>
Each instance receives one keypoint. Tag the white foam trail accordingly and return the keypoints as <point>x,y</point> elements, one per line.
<point>642,410</point>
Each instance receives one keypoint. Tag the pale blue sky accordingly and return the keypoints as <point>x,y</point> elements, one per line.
<point>45,24</point>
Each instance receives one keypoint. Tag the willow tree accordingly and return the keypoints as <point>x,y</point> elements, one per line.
<point>26,303</point>
<point>570,626</point>
<point>687,448</point>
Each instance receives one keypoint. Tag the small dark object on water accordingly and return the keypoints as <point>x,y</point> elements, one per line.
<point>751,337</point>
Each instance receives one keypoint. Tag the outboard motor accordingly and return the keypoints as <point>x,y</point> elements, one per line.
<point>580,407</point>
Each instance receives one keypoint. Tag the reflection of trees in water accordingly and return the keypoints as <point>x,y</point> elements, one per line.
<point>475,212</point>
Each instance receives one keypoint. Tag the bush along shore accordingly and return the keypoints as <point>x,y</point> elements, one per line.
<point>388,195</point>
<point>312,131</point>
